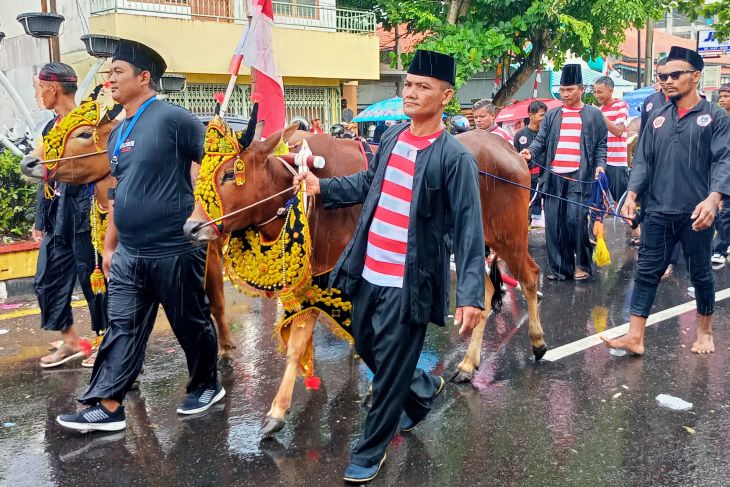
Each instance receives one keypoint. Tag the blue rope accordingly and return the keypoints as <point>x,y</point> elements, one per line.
<point>592,208</point>
<point>560,175</point>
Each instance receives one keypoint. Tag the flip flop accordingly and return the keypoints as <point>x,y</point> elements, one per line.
<point>582,276</point>
<point>89,361</point>
<point>61,356</point>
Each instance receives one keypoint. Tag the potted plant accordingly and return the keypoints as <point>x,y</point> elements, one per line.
<point>41,24</point>
<point>100,46</point>
<point>172,83</point>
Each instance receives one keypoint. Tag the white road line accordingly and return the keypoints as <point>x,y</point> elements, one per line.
<point>591,341</point>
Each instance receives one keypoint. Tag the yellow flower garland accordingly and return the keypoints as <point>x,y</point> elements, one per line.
<point>221,144</point>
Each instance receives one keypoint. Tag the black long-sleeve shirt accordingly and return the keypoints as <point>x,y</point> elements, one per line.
<point>680,161</point>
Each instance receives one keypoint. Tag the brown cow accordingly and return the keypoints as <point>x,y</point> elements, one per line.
<point>504,213</point>
<point>89,163</point>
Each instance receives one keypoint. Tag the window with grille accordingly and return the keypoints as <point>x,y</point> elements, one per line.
<point>307,102</point>
<point>306,9</point>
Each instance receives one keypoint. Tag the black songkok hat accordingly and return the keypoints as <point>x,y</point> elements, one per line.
<point>677,53</point>
<point>145,58</point>
<point>572,74</point>
<point>434,65</point>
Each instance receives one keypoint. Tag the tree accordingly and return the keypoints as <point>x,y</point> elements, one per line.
<point>719,8</point>
<point>483,34</point>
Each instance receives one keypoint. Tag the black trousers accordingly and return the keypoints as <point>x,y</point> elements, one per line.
<point>618,181</point>
<point>391,350</point>
<point>660,234</point>
<point>62,260</point>
<point>566,229</point>
<point>137,286</point>
<point>722,225</point>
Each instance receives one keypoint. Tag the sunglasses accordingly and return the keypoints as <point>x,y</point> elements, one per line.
<point>674,74</point>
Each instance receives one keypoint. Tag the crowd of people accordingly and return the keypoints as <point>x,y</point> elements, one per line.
<point>679,178</point>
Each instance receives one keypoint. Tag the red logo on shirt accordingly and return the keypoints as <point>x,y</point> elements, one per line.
<point>523,140</point>
<point>649,106</point>
<point>658,122</point>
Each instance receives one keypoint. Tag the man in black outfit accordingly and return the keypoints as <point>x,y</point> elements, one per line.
<point>421,186</point>
<point>63,226</point>
<point>523,138</point>
<point>681,171</point>
<point>151,261</point>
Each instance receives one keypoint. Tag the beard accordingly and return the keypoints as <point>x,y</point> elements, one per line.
<point>676,97</point>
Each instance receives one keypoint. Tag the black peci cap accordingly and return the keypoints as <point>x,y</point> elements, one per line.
<point>434,65</point>
<point>677,53</point>
<point>572,74</point>
<point>144,57</point>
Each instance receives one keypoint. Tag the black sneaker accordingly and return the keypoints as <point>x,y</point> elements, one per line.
<point>201,400</point>
<point>95,418</point>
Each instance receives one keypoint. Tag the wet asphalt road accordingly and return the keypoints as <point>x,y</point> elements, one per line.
<point>590,419</point>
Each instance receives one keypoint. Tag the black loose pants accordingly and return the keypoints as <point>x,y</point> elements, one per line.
<point>391,350</point>
<point>566,228</point>
<point>62,260</point>
<point>137,286</point>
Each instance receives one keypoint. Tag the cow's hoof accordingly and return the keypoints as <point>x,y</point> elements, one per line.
<point>462,377</point>
<point>271,426</point>
<point>225,364</point>
<point>539,352</point>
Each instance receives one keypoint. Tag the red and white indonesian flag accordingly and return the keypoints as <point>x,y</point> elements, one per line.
<point>256,51</point>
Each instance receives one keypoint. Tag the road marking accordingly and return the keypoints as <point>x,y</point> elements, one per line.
<point>35,311</point>
<point>593,340</point>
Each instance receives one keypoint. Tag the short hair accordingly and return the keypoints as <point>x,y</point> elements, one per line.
<point>62,70</point>
<point>154,83</point>
<point>724,88</point>
<point>536,106</point>
<point>605,81</point>
<point>486,104</point>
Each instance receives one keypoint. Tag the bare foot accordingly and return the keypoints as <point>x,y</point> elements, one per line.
<point>704,343</point>
<point>668,272</point>
<point>629,343</point>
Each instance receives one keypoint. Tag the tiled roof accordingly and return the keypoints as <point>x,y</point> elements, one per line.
<point>408,41</point>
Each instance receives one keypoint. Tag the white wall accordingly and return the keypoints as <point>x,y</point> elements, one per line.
<point>22,56</point>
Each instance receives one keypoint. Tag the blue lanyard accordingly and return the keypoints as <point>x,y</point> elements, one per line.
<point>124,133</point>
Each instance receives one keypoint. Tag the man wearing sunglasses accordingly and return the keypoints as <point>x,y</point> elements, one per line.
<point>681,171</point>
<point>657,99</point>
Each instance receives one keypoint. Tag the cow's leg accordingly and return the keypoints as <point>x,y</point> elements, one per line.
<point>217,298</point>
<point>302,329</point>
<point>526,272</point>
<point>471,361</point>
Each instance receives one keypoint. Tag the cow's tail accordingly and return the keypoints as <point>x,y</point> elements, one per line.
<point>495,277</point>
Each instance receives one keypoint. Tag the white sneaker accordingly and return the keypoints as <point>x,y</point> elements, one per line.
<point>717,259</point>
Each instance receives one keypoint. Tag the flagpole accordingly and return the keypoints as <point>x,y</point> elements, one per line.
<point>234,67</point>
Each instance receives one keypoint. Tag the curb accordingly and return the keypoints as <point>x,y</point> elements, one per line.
<point>13,289</point>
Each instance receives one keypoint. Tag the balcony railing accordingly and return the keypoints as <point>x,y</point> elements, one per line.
<point>295,14</point>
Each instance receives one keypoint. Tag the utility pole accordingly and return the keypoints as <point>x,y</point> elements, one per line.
<point>649,53</point>
<point>54,46</point>
<point>398,61</point>
<point>638,58</point>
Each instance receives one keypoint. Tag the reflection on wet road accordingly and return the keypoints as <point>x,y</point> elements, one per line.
<point>590,419</point>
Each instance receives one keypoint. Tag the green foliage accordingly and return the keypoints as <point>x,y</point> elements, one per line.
<point>721,8</point>
<point>17,198</point>
<point>488,32</point>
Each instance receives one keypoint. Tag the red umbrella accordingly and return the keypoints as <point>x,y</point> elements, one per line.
<point>518,110</point>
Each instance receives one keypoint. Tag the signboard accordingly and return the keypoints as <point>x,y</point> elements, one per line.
<point>711,77</point>
<point>707,45</point>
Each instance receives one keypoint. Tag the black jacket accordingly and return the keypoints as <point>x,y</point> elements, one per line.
<point>679,162</point>
<point>445,199</point>
<point>593,145</point>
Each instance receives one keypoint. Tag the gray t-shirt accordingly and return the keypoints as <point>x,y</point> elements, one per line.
<point>154,194</point>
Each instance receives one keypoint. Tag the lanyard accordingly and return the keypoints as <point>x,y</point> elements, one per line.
<point>124,133</point>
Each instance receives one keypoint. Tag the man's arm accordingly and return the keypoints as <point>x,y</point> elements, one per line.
<point>639,177</point>
<point>110,240</point>
<point>600,151</point>
<point>705,211</point>
<point>616,129</point>
<point>462,183</point>
<point>343,191</point>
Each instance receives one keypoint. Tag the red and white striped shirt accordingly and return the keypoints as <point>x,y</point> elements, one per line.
<point>618,113</point>
<point>567,154</point>
<point>388,235</point>
<point>497,130</point>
